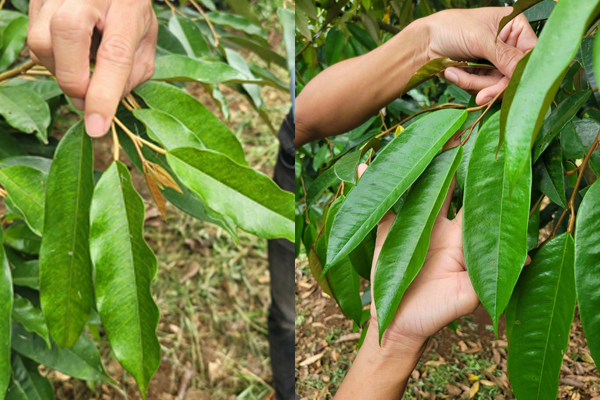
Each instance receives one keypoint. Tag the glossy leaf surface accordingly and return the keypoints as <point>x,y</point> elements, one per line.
<point>587,267</point>
<point>509,95</point>
<point>251,199</point>
<point>494,225</point>
<point>548,174</point>
<point>175,67</point>
<point>66,292</point>
<point>25,187</point>
<point>404,250</point>
<point>6,301</point>
<point>541,78</point>
<point>436,66</point>
<point>190,36</point>
<point>542,321</point>
<point>25,110</point>
<point>381,185</point>
<point>29,380</point>
<point>167,130</point>
<point>30,317</point>
<point>124,268</point>
<point>210,130</point>
<point>518,8</point>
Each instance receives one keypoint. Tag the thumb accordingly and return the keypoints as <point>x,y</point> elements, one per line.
<point>505,57</point>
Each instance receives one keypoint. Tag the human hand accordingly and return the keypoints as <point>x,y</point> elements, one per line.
<point>441,292</point>
<point>60,38</point>
<point>469,35</point>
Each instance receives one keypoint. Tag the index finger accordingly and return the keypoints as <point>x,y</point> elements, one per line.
<point>114,62</point>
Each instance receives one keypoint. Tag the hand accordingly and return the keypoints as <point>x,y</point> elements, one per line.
<point>469,35</point>
<point>441,292</point>
<point>60,38</point>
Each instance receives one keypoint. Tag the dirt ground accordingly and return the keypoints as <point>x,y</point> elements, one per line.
<point>468,364</point>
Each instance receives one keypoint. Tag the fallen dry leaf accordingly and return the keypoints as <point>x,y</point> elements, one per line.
<point>312,359</point>
<point>474,390</point>
<point>349,337</point>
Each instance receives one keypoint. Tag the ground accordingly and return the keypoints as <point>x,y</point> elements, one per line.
<point>213,294</point>
<point>468,364</point>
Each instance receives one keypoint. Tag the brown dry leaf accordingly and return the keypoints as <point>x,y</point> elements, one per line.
<point>496,356</point>
<point>191,271</point>
<point>415,375</point>
<point>485,382</point>
<point>437,363</point>
<point>312,359</point>
<point>156,195</point>
<point>349,337</point>
<point>474,390</point>
<point>463,345</point>
<point>214,370</point>
<point>162,177</point>
<point>453,390</point>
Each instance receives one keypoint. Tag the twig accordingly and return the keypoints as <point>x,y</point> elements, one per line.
<point>116,145</point>
<point>2,4</point>
<point>140,141</point>
<point>536,205</point>
<point>557,225</point>
<point>174,10</point>
<point>127,105</point>
<point>3,193</point>
<point>17,71</point>
<point>132,100</point>
<point>489,105</point>
<point>210,25</point>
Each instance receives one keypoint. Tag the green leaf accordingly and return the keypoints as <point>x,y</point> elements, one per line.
<point>299,229</point>
<point>543,316</point>
<point>46,88</point>
<point>518,8</point>
<point>316,269</point>
<point>548,175</point>
<point>82,361</point>
<point>587,130</point>
<point>66,292</point>
<point>533,231</point>
<point>241,7</point>
<point>509,95</point>
<point>308,6</point>
<point>345,168</point>
<point>286,17</point>
<point>324,181</point>
<point>301,23</point>
<point>124,267</point>
<point>21,238</point>
<point>394,169</point>
<point>596,61</point>
<point>362,257</point>
<point>167,43</point>
<point>190,36</point>
<point>40,163</point>
<point>6,302</point>
<point>556,121</point>
<point>210,130</point>
<point>334,43</point>
<point>494,225</point>
<point>587,265</point>
<point>344,279</point>
<point>237,22</point>
<point>25,110</point>
<point>261,48</point>
<point>25,187</point>
<point>586,50</point>
<point>461,172</point>
<point>362,36</point>
<point>27,377</point>
<point>541,78</point>
<point>175,67</point>
<point>251,199</point>
<point>540,11</point>
<point>13,39</point>
<point>572,147</point>
<point>25,272</point>
<point>30,317</point>
<point>167,130</point>
<point>404,250</point>
<point>9,147</point>
<point>239,63</point>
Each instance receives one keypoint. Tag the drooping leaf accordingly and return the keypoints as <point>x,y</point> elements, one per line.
<point>317,269</point>
<point>308,6</point>
<point>533,230</point>
<point>404,250</point>
<point>237,22</point>
<point>586,50</point>
<point>82,361</point>
<point>124,267</point>
<point>190,36</point>
<point>210,130</point>
<point>66,292</point>
<point>13,39</point>
<point>6,301</point>
<point>30,317</point>
<point>596,60</point>
<point>587,264</point>
<point>25,272</point>
<point>461,172</point>
<point>167,42</point>
<point>320,185</point>
<point>362,257</point>
<point>494,224</point>
<point>518,8</point>
<point>572,147</point>
<point>29,379</point>
<point>382,185</point>
<point>251,199</point>
<point>25,110</point>
<point>21,238</point>
<point>557,120</point>
<point>509,95</point>
<point>25,187</point>
<point>260,47</point>
<point>541,78</point>
<point>543,316</point>
<point>548,174</point>
<point>344,279</point>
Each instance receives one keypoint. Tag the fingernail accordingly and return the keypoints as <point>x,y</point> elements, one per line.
<point>78,103</point>
<point>95,125</point>
<point>452,77</point>
<point>489,98</point>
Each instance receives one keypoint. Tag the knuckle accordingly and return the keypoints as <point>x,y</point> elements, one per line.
<point>39,43</point>
<point>73,85</point>
<point>69,24</point>
<point>116,50</point>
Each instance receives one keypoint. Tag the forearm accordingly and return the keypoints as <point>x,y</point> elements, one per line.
<point>380,373</point>
<point>346,94</point>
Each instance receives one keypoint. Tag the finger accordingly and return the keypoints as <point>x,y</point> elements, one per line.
<point>143,63</point>
<point>505,57</point>
<point>34,8</point>
<point>518,33</point>
<point>114,62</point>
<point>528,260</point>
<point>470,82</point>
<point>39,39</point>
<point>72,27</point>
<point>448,200</point>
<point>489,93</point>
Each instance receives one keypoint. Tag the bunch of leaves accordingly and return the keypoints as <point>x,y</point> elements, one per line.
<point>73,259</point>
<point>526,177</point>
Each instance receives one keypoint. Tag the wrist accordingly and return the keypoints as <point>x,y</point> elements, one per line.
<point>393,348</point>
